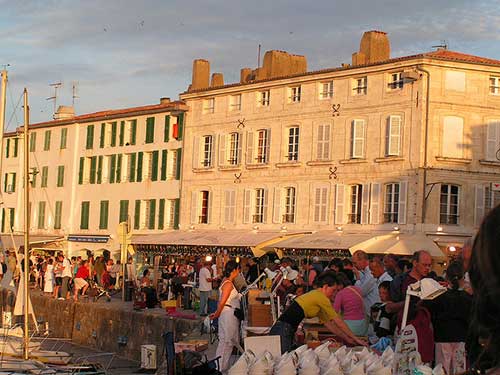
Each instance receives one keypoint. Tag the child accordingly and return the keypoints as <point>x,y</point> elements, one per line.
<point>384,323</point>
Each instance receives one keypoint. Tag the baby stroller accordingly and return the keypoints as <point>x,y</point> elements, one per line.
<point>96,291</point>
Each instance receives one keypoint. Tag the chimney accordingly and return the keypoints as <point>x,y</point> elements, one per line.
<point>374,47</point>
<point>64,112</point>
<point>164,100</point>
<point>245,75</point>
<point>217,80</point>
<point>201,74</point>
<point>281,63</point>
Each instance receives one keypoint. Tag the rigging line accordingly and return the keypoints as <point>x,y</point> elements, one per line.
<point>14,108</point>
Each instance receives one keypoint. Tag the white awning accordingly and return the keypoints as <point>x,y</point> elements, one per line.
<point>399,244</point>
<point>9,241</point>
<point>328,240</point>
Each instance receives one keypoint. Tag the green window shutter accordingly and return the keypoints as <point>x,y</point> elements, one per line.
<point>179,164</point>
<point>11,217</point>
<point>16,146</point>
<point>131,171</point>
<point>99,168</point>
<point>177,205</point>
<point>163,170</point>
<point>93,169</point>
<point>137,214</point>
<point>166,132</point>
<point>3,220</point>
<point>80,171</point>
<point>5,182</point>
<point>180,125</point>
<point>161,214</point>
<point>64,138</point>
<point>103,217</point>
<point>32,142</point>
<point>122,133</point>
<point>150,129</point>
<point>7,148</point>
<point>119,168</point>
<point>123,211</point>
<point>140,157</point>
<point>90,137</point>
<point>133,134</point>
<point>33,179</point>
<point>154,166</point>
<point>113,134</point>
<point>45,176</point>
<point>112,169</point>
<point>46,143</point>
<point>13,181</point>
<point>60,176</point>
<point>41,215</point>
<point>152,214</point>
<point>103,135</point>
<point>58,215</point>
<point>84,220</point>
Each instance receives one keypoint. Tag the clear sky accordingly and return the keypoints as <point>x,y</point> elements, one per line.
<point>124,53</point>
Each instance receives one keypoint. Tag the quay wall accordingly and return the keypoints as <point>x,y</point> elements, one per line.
<point>110,327</point>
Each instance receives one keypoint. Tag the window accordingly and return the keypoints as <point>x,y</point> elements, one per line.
<point>263,146</point>
<point>150,130</point>
<point>320,204</point>
<point>323,146</point>
<point>46,141</point>
<point>209,105</point>
<point>45,176</point>
<point>58,215</point>
<point>64,138</point>
<point>7,148</point>
<point>171,213</point>
<point>358,139</point>
<point>491,198</point>
<point>9,182</point>
<point>103,216</point>
<point>294,96</point>
<point>393,136</point>
<point>326,90</point>
<point>293,144</point>
<point>395,81</point>
<point>493,140</point>
<point>453,137</point>
<point>289,215</point>
<point>264,98</point>
<point>259,206</point>
<point>129,132</point>
<point>207,151</point>
<point>41,215</point>
<point>234,148</point>
<point>123,218</point>
<point>495,85</point>
<point>108,134</point>
<point>449,204</point>
<point>360,86</point>
<point>391,208</point>
<point>203,211</point>
<point>235,103</point>
<point>84,218</point>
<point>32,142</point>
<point>90,137</point>
<point>354,216</point>
<point>60,176</point>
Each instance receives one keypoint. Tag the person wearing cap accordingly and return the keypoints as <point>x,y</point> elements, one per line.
<point>315,303</point>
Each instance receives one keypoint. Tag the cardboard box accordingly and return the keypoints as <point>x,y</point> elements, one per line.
<point>259,315</point>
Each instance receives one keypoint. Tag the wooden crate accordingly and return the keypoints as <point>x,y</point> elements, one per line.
<point>259,315</point>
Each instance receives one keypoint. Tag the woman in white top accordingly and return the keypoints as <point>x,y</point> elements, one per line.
<point>48,286</point>
<point>229,324</point>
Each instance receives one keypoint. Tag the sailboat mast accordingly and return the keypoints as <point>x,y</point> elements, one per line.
<point>26,272</point>
<point>3,99</point>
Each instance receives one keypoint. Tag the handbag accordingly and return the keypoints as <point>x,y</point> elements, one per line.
<point>238,312</point>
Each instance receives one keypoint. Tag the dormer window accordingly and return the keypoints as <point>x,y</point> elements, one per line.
<point>360,86</point>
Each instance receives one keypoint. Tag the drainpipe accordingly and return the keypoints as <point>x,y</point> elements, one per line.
<point>426,143</point>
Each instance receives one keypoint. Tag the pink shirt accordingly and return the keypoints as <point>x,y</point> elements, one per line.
<point>349,303</point>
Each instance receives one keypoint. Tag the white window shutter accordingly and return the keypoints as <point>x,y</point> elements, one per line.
<point>453,137</point>
<point>492,139</point>
<point>268,146</point>
<point>320,143</point>
<point>358,138</point>
<point>479,204</point>
<point>317,205</point>
<point>277,205</point>
<point>266,203</point>
<point>394,136</point>
<point>229,197</point>
<point>403,186</point>
<point>339,204</point>
<point>233,206</point>
<point>196,152</point>
<point>194,207</point>
<point>222,150</point>
<point>238,149</point>
<point>326,142</point>
<point>324,204</point>
<point>212,151</point>
<point>250,148</point>
<point>365,204</point>
<point>247,206</point>
<point>209,206</point>
<point>375,204</point>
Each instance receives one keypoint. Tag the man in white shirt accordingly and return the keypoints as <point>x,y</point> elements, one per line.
<point>67,274</point>
<point>378,271</point>
<point>205,287</point>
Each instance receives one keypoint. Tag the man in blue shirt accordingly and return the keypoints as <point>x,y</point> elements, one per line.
<point>365,280</point>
